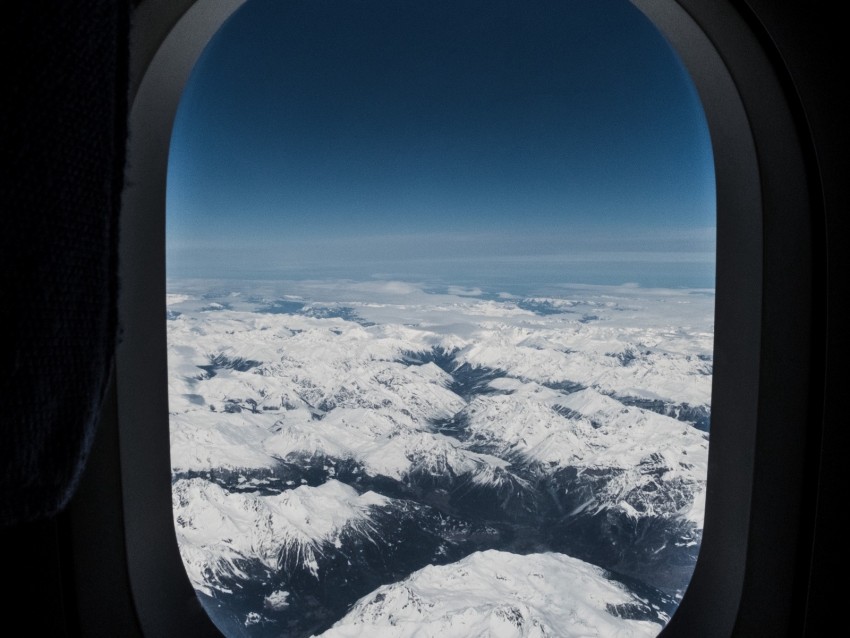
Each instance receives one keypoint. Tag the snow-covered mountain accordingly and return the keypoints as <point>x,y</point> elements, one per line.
<point>299,557</point>
<point>219,530</point>
<point>496,593</point>
<point>645,453</point>
<point>446,424</point>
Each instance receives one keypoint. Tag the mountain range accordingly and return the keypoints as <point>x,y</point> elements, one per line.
<point>326,453</point>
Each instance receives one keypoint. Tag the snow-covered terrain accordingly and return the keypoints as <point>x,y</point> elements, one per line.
<point>218,530</point>
<point>445,422</point>
<point>502,595</point>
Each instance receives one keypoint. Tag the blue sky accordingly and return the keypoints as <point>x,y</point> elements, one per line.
<point>440,139</point>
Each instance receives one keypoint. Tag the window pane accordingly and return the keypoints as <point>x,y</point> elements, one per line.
<point>440,318</point>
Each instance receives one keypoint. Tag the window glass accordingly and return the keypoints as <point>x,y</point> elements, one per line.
<point>440,320</point>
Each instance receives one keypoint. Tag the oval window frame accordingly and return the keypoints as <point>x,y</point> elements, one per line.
<point>762,368</point>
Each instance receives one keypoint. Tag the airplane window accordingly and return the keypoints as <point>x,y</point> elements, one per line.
<point>440,310</point>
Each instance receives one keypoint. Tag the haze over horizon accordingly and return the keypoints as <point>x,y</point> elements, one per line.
<point>471,142</point>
